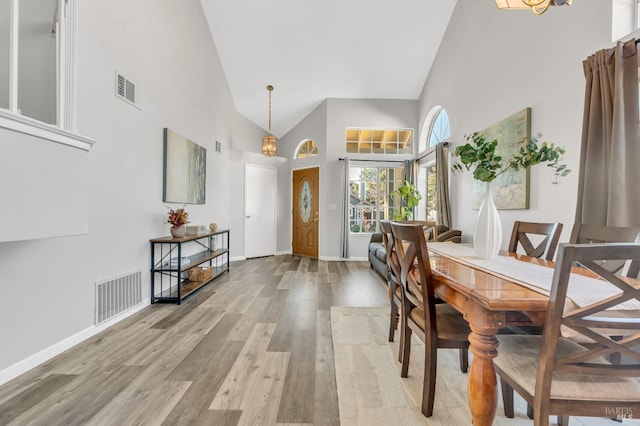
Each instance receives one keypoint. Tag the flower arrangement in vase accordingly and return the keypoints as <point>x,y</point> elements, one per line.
<point>480,155</point>
<point>178,219</point>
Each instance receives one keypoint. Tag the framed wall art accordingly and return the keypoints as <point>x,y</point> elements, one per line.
<point>185,165</point>
<point>511,189</point>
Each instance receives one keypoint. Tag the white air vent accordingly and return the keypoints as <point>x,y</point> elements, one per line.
<point>117,295</point>
<point>125,89</point>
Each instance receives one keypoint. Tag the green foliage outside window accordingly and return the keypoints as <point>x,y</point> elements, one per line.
<point>371,200</point>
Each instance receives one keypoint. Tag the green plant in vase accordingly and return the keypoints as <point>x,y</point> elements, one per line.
<point>479,155</point>
<point>409,197</point>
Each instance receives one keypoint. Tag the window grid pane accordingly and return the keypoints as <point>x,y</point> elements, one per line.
<point>440,129</point>
<point>431,195</point>
<point>370,197</point>
<point>306,149</point>
<point>379,141</point>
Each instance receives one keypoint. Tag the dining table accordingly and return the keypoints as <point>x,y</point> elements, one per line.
<point>510,290</point>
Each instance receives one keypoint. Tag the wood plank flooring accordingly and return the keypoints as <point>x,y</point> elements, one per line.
<point>253,347</point>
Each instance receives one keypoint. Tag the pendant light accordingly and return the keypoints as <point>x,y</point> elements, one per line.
<point>269,141</point>
<point>538,7</point>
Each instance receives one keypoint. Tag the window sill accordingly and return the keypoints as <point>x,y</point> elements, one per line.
<point>29,126</point>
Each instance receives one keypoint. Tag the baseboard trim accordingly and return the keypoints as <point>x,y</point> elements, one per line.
<point>327,258</point>
<point>57,348</point>
<point>342,259</point>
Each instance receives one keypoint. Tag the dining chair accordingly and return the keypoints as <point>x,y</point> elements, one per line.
<point>583,233</point>
<point>429,227</point>
<point>437,325</point>
<point>521,235</point>
<point>393,279</point>
<point>558,376</point>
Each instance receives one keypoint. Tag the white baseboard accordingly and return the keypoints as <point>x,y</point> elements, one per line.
<point>341,259</point>
<point>326,258</point>
<point>57,348</point>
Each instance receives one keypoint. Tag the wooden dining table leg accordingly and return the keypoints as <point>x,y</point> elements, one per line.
<point>482,387</point>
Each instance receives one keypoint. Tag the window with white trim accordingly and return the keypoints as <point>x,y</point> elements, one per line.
<point>370,198</point>
<point>439,130</point>
<point>306,148</point>
<point>625,17</point>
<point>379,141</point>
<point>36,56</point>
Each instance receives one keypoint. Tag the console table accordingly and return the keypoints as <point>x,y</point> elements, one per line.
<point>172,258</point>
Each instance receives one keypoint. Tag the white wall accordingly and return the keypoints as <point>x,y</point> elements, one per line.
<point>165,48</point>
<point>246,147</point>
<point>326,125</point>
<point>493,63</point>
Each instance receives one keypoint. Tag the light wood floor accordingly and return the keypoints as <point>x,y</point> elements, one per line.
<point>252,348</point>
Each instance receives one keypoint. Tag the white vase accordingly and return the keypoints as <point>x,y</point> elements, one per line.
<point>487,236</point>
<point>178,231</point>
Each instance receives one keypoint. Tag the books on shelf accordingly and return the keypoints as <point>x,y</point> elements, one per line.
<point>174,261</point>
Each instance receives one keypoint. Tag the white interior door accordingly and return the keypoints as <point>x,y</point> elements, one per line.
<point>259,210</point>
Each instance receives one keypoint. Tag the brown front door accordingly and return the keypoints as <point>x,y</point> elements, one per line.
<point>305,212</point>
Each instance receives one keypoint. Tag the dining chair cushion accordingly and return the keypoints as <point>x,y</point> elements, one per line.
<point>518,358</point>
<point>451,325</point>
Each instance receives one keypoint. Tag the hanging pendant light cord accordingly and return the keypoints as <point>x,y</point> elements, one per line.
<point>270,89</point>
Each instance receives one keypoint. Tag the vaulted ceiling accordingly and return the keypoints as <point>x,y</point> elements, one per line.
<point>310,50</point>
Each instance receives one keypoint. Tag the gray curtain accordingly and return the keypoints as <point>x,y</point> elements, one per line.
<point>609,175</point>
<point>443,206</point>
<point>344,226</point>
<point>410,173</point>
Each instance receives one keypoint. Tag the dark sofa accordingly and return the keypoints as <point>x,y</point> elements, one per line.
<point>378,254</point>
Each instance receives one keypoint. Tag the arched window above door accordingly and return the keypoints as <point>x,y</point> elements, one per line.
<point>306,148</point>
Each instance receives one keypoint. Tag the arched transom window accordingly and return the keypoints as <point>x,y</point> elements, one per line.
<point>440,128</point>
<point>307,148</point>
<point>435,129</point>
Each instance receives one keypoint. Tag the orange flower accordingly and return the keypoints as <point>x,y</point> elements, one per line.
<point>177,217</point>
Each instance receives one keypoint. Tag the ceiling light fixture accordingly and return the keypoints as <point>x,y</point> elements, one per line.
<point>269,141</point>
<point>538,7</point>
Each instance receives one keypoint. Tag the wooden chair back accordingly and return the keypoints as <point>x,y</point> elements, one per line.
<point>546,248</point>
<point>634,269</point>
<point>392,260</point>
<point>591,322</point>
<point>393,280</point>
<point>429,227</point>
<point>587,234</point>
<point>583,233</point>
<point>415,271</point>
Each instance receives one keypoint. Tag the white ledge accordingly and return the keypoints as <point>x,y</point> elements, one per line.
<point>29,126</point>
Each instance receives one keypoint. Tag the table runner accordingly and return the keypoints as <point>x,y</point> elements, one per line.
<point>583,291</point>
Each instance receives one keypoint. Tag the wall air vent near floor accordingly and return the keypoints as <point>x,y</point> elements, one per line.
<point>117,295</point>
